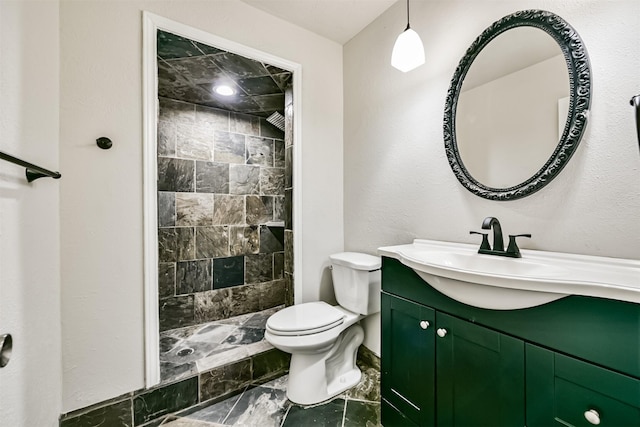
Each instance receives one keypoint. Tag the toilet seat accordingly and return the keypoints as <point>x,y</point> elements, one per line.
<point>305,319</point>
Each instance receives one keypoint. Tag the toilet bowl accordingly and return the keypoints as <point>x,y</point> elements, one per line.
<point>323,339</point>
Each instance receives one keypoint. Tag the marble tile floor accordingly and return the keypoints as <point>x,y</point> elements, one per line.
<point>267,405</point>
<point>194,349</point>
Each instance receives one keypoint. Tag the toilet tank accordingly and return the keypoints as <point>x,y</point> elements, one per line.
<point>357,281</point>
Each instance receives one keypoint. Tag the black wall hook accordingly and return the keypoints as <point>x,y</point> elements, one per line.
<point>104,142</point>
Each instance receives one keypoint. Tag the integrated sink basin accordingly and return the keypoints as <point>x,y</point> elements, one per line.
<point>539,277</point>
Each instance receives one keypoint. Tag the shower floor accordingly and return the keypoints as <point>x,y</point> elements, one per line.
<point>193,349</point>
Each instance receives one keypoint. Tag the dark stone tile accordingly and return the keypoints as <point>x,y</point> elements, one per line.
<point>245,179</point>
<point>362,414</point>
<point>288,251</point>
<point>228,272</point>
<point>270,362</point>
<point>272,181</point>
<point>115,414</point>
<point>258,320</point>
<point>244,240</point>
<point>167,399</point>
<point>281,78</point>
<point>327,415</point>
<point>239,66</point>
<point>288,167</point>
<point>213,305</point>
<point>369,386</point>
<point>259,85</point>
<point>206,49</point>
<point>272,294</point>
<point>288,209</point>
<point>212,118</point>
<point>176,111</point>
<point>367,358</point>
<point>244,336</point>
<point>270,102</point>
<point>192,94</point>
<point>176,244</point>
<point>212,177</point>
<point>228,209</point>
<point>259,209</point>
<point>278,153</point>
<point>259,406</point>
<point>259,151</point>
<point>278,208</point>
<point>176,312</point>
<point>278,265</point>
<point>258,268</point>
<point>174,46</point>
<point>244,123</point>
<point>225,379</point>
<point>275,103</point>
<point>209,412</point>
<point>229,147</point>
<point>197,70</point>
<point>288,290</point>
<point>194,276</point>
<point>175,174</point>
<point>171,372</point>
<point>245,299</point>
<point>166,209</point>
<point>166,280</point>
<point>194,142</point>
<point>167,343</point>
<point>212,242</point>
<point>166,138</point>
<point>194,209</point>
<point>271,239</point>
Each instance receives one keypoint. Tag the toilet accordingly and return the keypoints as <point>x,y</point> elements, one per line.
<point>323,339</point>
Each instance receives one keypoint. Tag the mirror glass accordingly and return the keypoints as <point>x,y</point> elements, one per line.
<point>517,105</point>
<point>520,75</point>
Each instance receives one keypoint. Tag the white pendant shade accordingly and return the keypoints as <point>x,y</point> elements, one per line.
<point>408,52</point>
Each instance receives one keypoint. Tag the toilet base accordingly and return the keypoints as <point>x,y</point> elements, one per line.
<point>314,378</point>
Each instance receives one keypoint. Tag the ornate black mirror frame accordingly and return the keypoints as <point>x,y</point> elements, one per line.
<point>577,60</point>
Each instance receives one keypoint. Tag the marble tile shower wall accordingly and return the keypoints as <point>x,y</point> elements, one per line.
<point>221,214</point>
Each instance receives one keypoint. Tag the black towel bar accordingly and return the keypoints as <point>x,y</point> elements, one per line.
<point>32,172</point>
<point>635,101</point>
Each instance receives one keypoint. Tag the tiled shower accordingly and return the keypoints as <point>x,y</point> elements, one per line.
<point>224,203</point>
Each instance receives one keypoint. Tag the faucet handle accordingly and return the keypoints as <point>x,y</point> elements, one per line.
<point>485,240</point>
<point>512,249</point>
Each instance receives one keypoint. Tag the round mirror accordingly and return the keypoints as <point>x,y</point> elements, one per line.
<point>517,105</point>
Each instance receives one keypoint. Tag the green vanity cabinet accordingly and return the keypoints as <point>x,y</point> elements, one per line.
<point>476,368</point>
<point>409,365</point>
<point>480,375</point>
<point>564,391</point>
<point>572,362</point>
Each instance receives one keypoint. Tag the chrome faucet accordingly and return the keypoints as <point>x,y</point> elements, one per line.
<point>492,223</point>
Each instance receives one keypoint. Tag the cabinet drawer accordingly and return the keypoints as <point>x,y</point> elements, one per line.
<point>569,392</point>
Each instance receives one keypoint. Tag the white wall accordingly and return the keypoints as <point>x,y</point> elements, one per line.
<point>30,384</point>
<point>101,196</point>
<point>398,183</point>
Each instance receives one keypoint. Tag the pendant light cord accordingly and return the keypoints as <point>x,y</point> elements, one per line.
<point>408,26</point>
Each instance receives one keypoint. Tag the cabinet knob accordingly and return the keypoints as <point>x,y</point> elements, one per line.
<point>442,332</point>
<point>592,416</point>
<point>424,324</point>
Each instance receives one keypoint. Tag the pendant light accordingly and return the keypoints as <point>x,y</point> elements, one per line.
<point>408,52</point>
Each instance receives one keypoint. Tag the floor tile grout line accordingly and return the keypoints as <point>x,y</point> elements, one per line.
<point>344,412</point>
<point>234,405</point>
<point>286,413</point>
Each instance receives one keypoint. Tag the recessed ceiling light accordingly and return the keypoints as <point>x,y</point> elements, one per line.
<point>224,90</point>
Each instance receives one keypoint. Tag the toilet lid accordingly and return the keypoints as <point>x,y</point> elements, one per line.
<point>305,319</point>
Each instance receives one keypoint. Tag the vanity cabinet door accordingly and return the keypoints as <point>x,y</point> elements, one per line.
<point>562,391</point>
<point>480,375</point>
<point>407,363</point>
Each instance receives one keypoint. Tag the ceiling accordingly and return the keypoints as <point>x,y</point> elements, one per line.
<point>337,20</point>
<point>188,70</point>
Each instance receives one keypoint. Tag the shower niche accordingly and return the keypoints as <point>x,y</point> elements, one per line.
<point>224,203</point>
